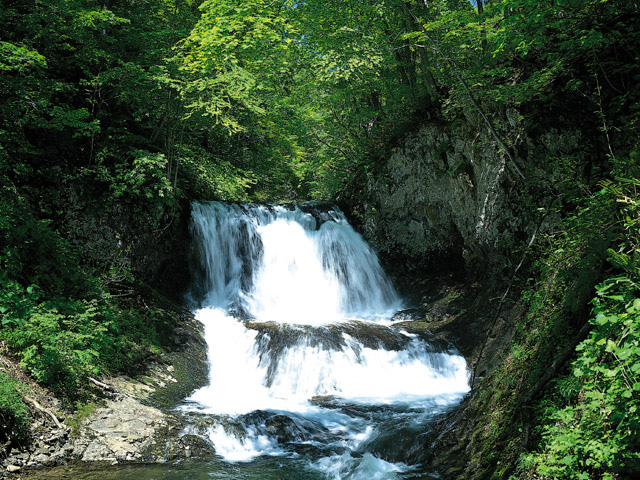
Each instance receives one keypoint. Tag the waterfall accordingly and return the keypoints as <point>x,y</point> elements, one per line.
<point>302,349</point>
<point>283,264</point>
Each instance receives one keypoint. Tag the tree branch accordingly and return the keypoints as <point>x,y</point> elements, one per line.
<point>45,410</point>
<point>104,386</point>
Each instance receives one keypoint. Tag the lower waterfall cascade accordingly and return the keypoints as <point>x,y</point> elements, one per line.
<point>306,366</point>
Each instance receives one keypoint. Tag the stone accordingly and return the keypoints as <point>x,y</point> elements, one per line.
<point>41,459</point>
<point>447,192</point>
<point>13,468</point>
<point>196,446</point>
<point>126,427</point>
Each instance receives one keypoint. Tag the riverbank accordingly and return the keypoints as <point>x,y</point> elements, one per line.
<point>129,419</point>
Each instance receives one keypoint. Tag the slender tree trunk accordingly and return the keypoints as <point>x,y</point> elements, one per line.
<point>105,6</point>
<point>458,74</point>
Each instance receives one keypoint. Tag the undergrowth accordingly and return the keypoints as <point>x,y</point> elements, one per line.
<point>64,318</point>
<point>14,414</point>
<point>582,304</point>
<point>588,423</point>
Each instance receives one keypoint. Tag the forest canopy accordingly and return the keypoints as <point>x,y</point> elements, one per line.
<point>286,100</point>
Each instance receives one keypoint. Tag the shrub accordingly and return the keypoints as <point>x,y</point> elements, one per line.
<point>14,415</point>
<point>592,430</point>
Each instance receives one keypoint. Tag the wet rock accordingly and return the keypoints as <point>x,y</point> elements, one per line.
<point>375,336</point>
<point>394,445</point>
<point>321,211</point>
<point>196,446</point>
<point>306,449</point>
<point>324,400</point>
<point>407,315</point>
<point>284,429</point>
<point>422,328</point>
<point>274,338</point>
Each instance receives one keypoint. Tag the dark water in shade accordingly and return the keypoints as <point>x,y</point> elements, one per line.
<point>266,468</point>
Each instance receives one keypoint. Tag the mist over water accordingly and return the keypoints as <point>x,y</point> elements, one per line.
<point>305,363</point>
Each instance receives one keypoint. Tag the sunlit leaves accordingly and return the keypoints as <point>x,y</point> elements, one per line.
<point>14,58</point>
<point>235,55</point>
<point>598,436</point>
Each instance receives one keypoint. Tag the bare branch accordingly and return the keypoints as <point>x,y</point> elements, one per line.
<point>104,386</point>
<point>45,410</point>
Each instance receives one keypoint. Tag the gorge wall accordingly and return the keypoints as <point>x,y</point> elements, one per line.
<point>152,243</point>
<point>446,194</point>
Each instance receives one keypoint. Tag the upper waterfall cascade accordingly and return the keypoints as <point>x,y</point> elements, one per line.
<point>302,349</point>
<point>282,264</point>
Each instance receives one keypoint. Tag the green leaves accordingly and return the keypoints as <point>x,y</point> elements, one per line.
<point>314,86</point>
<point>146,182</point>
<point>14,413</point>
<point>19,59</point>
<point>599,434</point>
<point>234,56</point>
<point>99,18</point>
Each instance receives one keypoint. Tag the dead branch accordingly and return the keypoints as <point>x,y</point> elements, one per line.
<point>45,410</point>
<point>104,386</point>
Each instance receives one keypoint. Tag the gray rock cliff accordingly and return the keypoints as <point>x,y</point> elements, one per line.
<point>447,192</point>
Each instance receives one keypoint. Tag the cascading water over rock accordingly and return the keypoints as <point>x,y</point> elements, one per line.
<point>304,360</point>
<point>285,265</point>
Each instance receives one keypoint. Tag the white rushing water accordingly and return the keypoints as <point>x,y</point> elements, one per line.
<point>297,314</point>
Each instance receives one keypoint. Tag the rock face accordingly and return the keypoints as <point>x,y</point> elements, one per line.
<point>139,423</point>
<point>447,192</point>
<point>153,244</point>
<point>447,197</point>
<point>119,431</point>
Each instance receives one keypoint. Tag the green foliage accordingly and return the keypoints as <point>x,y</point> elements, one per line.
<point>296,98</point>
<point>566,63</point>
<point>18,59</point>
<point>136,106</point>
<point>310,88</point>
<point>204,175</point>
<point>145,183</point>
<point>32,253</point>
<point>580,425</point>
<point>56,314</point>
<point>14,415</point>
<point>59,350</point>
<point>62,342</point>
<point>88,120</point>
<point>233,55</point>
<point>593,431</point>
<point>84,411</point>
